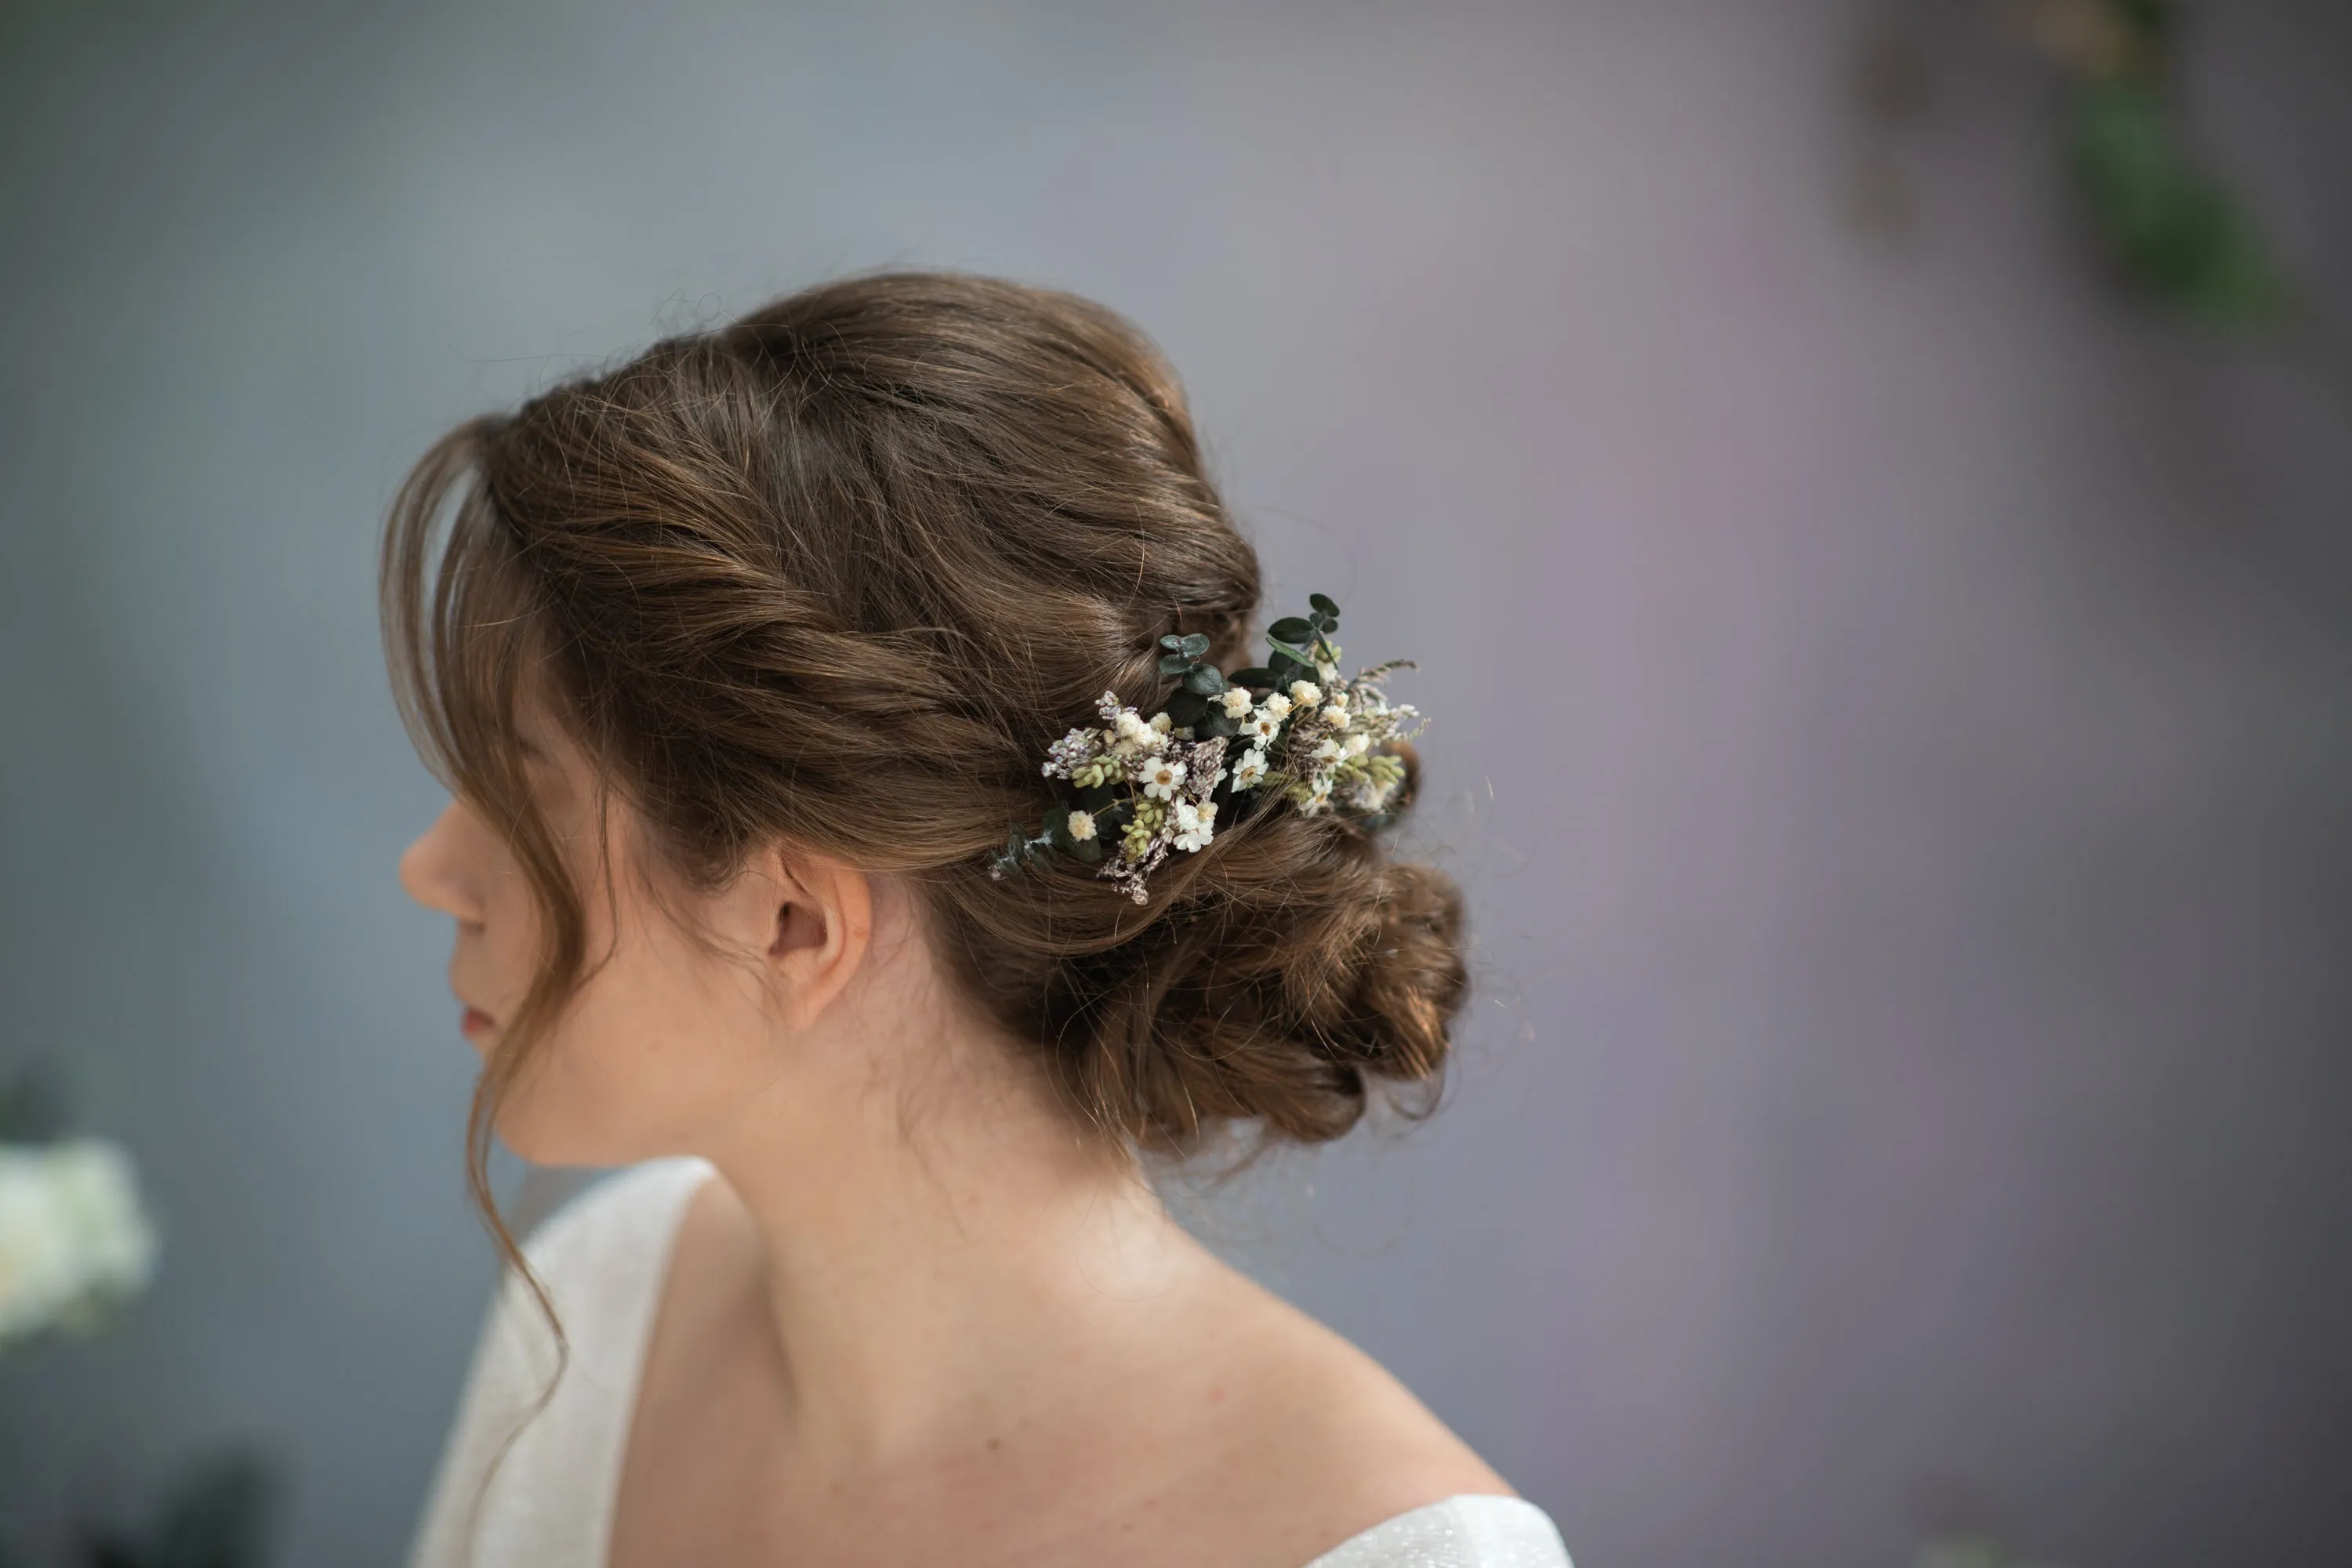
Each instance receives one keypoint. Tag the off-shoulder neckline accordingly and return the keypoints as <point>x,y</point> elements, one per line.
<point>687,1173</point>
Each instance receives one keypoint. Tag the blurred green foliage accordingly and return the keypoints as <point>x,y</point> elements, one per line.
<point>2169,223</point>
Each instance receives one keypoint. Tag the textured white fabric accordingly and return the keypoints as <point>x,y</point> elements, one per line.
<point>1466,1532</point>
<point>549,1504</point>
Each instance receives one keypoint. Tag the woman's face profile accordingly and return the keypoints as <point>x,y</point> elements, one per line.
<point>660,1041</point>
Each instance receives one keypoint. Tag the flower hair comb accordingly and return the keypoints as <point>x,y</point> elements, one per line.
<point>1137,789</point>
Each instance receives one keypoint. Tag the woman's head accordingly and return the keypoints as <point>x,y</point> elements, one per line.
<point>782,618</point>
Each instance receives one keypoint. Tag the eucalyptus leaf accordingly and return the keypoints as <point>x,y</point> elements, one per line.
<point>1295,630</point>
<point>1174,664</point>
<point>1303,657</point>
<point>1322,605</point>
<point>1204,680</point>
<point>2172,224</point>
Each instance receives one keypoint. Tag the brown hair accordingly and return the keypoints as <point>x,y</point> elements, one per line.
<point>837,575</point>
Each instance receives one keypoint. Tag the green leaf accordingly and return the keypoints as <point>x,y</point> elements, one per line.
<point>1196,645</point>
<point>1299,661</point>
<point>1257,678</point>
<point>1326,624</point>
<point>1215,724</point>
<point>1322,605</point>
<point>1173,664</point>
<point>2168,223</point>
<point>1172,643</point>
<point>1204,680</point>
<point>1090,850</point>
<point>1187,707</point>
<point>1295,630</point>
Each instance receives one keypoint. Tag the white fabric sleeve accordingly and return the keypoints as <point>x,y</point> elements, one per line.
<point>603,1258</point>
<point>1472,1530</point>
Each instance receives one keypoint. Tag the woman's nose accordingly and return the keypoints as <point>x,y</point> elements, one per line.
<point>431,872</point>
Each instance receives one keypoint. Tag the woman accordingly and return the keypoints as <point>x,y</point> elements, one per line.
<point>739,661</point>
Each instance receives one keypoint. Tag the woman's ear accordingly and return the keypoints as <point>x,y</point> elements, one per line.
<point>819,929</point>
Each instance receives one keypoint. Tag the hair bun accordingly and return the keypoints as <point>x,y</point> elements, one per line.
<point>1297,974</point>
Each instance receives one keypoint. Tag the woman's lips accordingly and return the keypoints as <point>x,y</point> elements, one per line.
<point>474,1021</point>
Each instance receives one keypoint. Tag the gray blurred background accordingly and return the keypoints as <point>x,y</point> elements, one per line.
<point>1889,686</point>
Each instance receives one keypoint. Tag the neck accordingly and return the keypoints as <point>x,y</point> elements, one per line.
<point>934,1266</point>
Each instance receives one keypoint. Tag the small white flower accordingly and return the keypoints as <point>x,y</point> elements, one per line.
<point>1137,738</point>
<point>1327,670</point>
<point>1250,772</point>
<point>1305,693</point>
<point>1335,715</point>
<point>1326,750</point>
<point>1237,702</point>
<point>1262,727</point>
<point>1358,744</point>
<point>1082,826</point>
<point>1161,778</point>
<point>1275,707</point>
<point>1195,825</point>
<point>1161,723</point>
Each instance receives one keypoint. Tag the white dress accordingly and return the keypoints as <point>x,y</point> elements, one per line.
<point>603,1258</point>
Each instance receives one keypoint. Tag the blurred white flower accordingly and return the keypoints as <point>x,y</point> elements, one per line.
<point>1195,825</point>
<point>1237,701</point>
<point>73,1234</point>
<point>1082,826</point>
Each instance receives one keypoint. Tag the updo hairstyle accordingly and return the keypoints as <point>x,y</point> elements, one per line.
<point>837,575</point>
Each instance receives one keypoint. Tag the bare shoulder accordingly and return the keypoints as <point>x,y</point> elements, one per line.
<point>1319,1439</point>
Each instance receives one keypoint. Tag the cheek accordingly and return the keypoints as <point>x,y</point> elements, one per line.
<point>655,1050</point>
